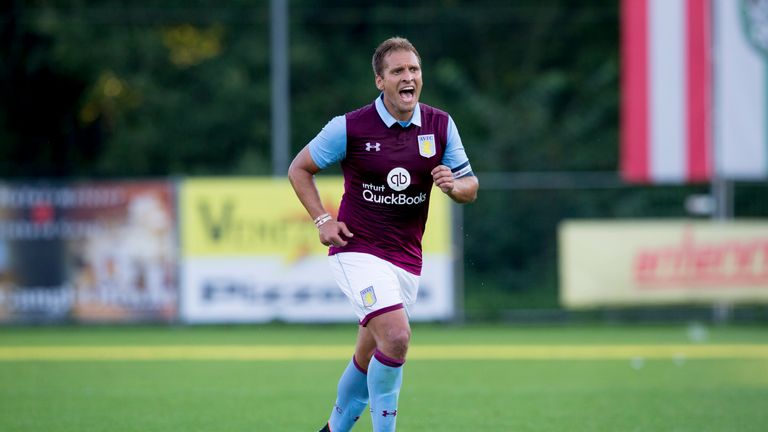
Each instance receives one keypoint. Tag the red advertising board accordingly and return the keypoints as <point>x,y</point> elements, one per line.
<point>88,252</point>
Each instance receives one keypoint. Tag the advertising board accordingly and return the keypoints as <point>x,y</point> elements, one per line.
<point>626,263</point>
<point>252,254</point>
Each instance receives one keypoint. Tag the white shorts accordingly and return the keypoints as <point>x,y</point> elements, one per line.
<point>372,285</point>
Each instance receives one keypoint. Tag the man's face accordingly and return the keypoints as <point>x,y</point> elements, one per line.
<point>401,83</point>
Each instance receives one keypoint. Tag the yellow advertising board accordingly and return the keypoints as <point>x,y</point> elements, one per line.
<point>252,254</point>
<point>262,217</point>
<point>626,263</point>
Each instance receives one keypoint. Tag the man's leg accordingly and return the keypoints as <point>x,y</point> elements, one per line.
<point>352,396</point>
<point>392,334</point>
<point>364,347</point>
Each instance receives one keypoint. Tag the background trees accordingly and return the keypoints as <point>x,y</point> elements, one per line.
<point>107,88</point>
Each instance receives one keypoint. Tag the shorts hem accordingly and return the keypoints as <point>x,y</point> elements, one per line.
<point>374,314</point>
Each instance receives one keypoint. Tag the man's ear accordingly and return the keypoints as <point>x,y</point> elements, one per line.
<point>379,83</point>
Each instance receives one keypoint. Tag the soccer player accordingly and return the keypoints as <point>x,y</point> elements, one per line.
<point>391,153</point>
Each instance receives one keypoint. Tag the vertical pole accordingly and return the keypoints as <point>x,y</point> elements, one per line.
<point>457,246</point>
<point>722,191</point>
<point>721,188</point>
<point>280,90</point>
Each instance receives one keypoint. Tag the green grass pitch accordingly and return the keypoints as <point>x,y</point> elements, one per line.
<point>474,378</point>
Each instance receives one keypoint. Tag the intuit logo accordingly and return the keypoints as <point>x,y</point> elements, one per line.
<point>399,179</point>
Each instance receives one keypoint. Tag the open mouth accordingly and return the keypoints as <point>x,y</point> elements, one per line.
<point>408,94</point>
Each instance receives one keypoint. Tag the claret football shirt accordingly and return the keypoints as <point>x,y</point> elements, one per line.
<point>387,167</point>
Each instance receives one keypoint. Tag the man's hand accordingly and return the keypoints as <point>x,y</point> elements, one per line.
<point>443,178</point>
<point>333,233</point>
<point>462,190</point>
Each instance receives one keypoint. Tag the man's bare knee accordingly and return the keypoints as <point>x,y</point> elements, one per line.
<point>397,341</point>
<point>392,333</point>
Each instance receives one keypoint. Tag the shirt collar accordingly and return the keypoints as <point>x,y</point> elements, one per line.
<point>389,120</point>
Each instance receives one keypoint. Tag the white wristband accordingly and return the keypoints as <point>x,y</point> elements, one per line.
<point>317,219</point>
<point>324,219</point>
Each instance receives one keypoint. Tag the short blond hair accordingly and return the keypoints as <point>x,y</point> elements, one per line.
<point>395,43</point>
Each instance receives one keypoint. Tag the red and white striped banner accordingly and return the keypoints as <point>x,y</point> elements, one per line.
<point>666,84</point>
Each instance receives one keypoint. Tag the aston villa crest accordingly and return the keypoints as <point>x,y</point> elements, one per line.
<point>369,296</point>
<point>427,145</point>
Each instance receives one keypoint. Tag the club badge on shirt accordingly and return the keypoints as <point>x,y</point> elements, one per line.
<point>369,296</point>
<point>427,145</point>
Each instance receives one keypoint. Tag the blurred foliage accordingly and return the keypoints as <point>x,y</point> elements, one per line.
<point>141,89</point>
<point>109,88</point>
<point>114,88</point>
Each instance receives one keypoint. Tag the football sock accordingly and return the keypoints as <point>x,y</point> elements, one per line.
<point>352,398</point>
<point>385,376</point>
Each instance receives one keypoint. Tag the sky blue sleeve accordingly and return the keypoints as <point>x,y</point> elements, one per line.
<point>330,145</point>
<point>455,157</point>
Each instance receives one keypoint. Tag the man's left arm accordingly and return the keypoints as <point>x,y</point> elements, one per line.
<point>460,182</point>
<point>462,190</point>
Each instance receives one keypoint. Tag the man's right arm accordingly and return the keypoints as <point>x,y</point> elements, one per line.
<point>301,175</point>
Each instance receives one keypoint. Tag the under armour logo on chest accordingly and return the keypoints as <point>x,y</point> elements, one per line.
<point>369,146</point>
